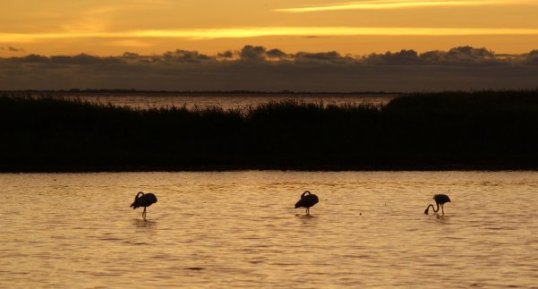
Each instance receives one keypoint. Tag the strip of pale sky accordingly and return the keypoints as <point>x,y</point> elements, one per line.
<point>251,32</point>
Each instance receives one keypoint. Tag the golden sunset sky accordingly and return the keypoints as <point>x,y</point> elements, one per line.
<point>107,27</point>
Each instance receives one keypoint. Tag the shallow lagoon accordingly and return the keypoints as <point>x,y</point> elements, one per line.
<point>239,229</point>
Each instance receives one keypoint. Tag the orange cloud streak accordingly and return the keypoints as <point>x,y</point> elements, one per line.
<point>381,4</point>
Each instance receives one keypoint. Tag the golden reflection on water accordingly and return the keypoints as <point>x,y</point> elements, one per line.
<point>228,102</point>
<point>239,229</point>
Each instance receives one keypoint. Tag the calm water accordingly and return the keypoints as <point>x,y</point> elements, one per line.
<point>240,230</point>
<point>230,101</point>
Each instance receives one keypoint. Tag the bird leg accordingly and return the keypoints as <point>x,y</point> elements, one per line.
<point>307,211</point>
<point>144,214</point>
<point>442,210</point>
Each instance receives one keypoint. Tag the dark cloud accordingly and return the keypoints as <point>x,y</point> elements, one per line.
<point>463,55</point>
<point>226,54</point>
<point>259,68</point>
<point>130,55</point>
<point>185,56</point>
<point>82,59</point>
<point>331,57</point>
<point>433,57</point>
<point>256,53</point>
<point>532,57</point>
<point>276,54</point>
<point>31,58</point>
<point>404,57</point>
<point>468,54</point>
<point>260,53</point>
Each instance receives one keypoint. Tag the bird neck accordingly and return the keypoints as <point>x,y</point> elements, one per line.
<point>437,208</point>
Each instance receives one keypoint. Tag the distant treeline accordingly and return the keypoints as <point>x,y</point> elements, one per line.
<point>450,130</point>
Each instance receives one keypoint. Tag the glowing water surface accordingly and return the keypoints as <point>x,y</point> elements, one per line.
<point>240,230</point>
<point>230,101</point>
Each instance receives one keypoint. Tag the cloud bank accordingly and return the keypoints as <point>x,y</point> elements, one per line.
<point>263,69</point>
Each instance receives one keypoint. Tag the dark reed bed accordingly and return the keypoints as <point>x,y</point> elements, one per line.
<point>439,131</point>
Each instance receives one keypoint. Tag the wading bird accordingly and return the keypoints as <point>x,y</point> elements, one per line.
<point>144,200</point>
<point>440,199</point>
<point>307,200</point>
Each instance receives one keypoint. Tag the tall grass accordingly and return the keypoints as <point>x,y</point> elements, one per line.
<point>450,130</point>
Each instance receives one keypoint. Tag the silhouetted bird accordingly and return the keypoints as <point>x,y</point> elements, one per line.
<point>440,199</point>
<point>307,200</point>
<point>144,200</point>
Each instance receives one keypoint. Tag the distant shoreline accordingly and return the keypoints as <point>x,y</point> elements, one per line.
<point>124,92</point>
<point>134,169</point>
<point>488,130</point>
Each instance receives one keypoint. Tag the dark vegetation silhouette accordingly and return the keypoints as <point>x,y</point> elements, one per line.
<point>441,131</point>
<point>144,200</point>
<point>440,200</point>
<point>307,200</point>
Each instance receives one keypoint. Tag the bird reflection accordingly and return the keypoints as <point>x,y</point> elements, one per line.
<point>143,224</point>
<point>144,200</point>
<point>440,199</point>
<point>307,200</point>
